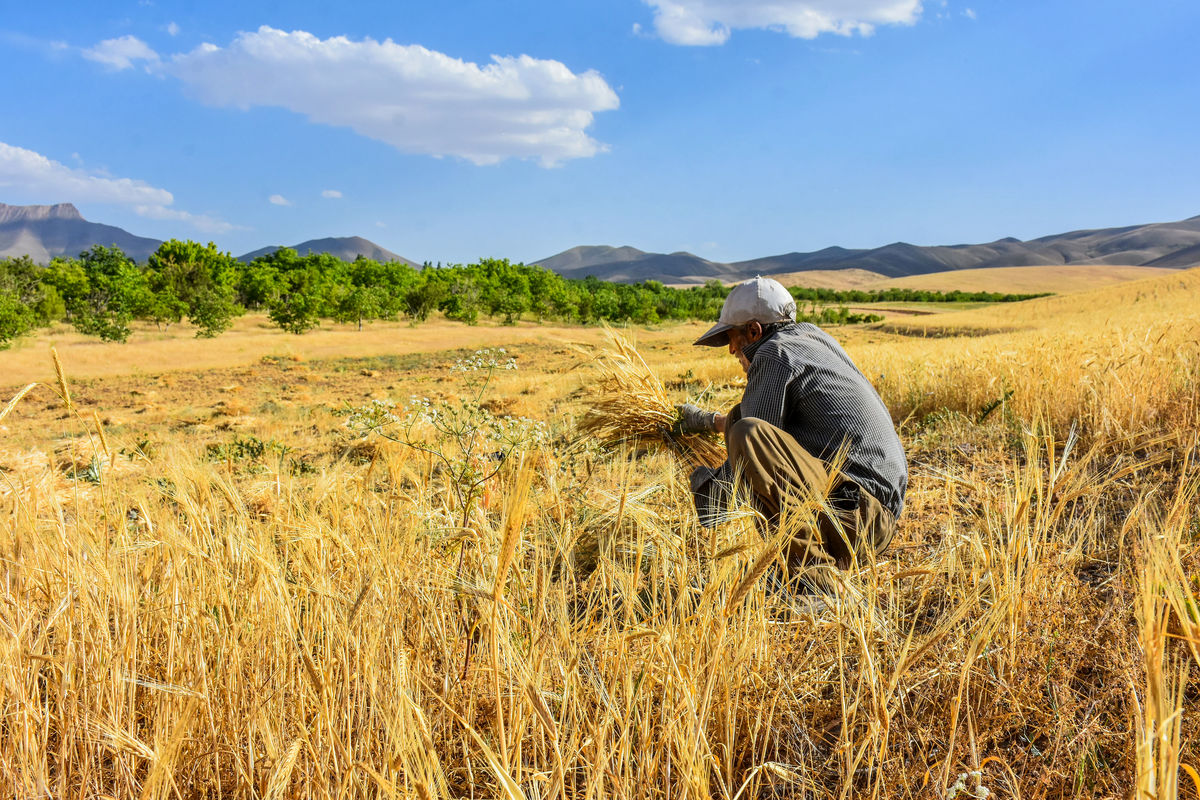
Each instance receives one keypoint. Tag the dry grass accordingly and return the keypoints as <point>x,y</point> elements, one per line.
<point>1134,303</point>
<point>1121,362</point>
<point>192,626</point>
<point>253,337</point>
<point>1057,278</point>
<point>832,278</point>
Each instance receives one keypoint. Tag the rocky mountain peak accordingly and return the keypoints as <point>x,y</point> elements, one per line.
<point>38,213</point>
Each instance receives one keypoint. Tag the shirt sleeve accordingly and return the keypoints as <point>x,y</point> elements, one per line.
<point>766,390</point>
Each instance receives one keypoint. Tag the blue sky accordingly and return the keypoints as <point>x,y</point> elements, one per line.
<point>733,129</point>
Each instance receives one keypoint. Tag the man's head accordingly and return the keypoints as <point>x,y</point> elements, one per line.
<point>741,336</point>
<point>750,307</point>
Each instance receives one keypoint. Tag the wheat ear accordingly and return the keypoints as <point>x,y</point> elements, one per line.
<point>512,526</point>
<point>103,438</point>
<point>62,379</point>
<point>13,403</point>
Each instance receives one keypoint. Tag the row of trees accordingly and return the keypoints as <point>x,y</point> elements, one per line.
<point>102,292</point>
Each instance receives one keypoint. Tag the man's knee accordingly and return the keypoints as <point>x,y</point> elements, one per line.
<point>746,434</point>
<point>750,453</point>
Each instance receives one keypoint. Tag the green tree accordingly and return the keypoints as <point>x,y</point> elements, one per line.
<point>162,305</point>
<point>300,300</point>
<point>25,301</point>
<point>187,278</point>
<point>514,298</point>
<point>423,299</point>
<point>358,303</point>
<point>115,295</point>
<point>463,299</point>
<point>65,276</point>
<point>15,319</point>
<point>606,304</point>
<point>258,284</point>
<point>16,315</point>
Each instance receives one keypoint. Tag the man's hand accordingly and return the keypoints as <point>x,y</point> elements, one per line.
<point>693,419</point>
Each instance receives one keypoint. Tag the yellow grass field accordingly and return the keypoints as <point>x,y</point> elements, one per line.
<point>832,278</point>
<point>1057,278</point>
<point>218,580</point>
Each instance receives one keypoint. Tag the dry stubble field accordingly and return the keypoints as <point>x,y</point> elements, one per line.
<point>213,586</point>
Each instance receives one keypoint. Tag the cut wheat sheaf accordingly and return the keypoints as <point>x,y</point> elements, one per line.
<point>629,405</point>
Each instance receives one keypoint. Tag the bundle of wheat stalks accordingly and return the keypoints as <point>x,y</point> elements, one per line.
<point>630,404</point>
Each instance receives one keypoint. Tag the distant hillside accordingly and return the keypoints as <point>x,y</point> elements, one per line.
<point>628,264</point>
<point>1180,259</point>
<point>1169,244</point>
<point>346,248</point>
<point>44,232</point>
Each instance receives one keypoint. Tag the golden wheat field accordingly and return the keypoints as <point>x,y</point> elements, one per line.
<point>391,566</point>
<point>1057,278</point>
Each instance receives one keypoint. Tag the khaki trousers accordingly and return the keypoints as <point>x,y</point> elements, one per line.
<point>778,471</point>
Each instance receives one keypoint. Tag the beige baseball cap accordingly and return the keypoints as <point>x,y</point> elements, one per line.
<point>760,300</point>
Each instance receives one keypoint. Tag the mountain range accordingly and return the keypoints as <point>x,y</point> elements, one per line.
<point>43,232</point>
<point>1164,244</point>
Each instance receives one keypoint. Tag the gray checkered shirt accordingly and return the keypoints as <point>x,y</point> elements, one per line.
<point>802,381</point>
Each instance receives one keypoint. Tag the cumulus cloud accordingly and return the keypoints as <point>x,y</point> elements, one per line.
<point>173,28</point>
<point>331,194</point>
<point>34,174</point>
<point>710,22</point>
<point>278,200</point>
<point>412,98</point>
<point>118,54</point>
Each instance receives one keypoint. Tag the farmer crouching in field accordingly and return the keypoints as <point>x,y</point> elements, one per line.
<point>806,406</point>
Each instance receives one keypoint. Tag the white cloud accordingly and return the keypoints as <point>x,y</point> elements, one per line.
<point>118,54</point>
<point>173,28</point>
<point>331,194</point>
<point>710,22</point>
<point>278,200</point>
<point>34,174</point>
<point>412,98</point>
<point>970,13</point>
<point>201,222</point>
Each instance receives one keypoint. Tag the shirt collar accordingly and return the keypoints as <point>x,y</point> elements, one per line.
<point>750,349</point>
